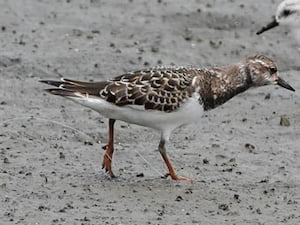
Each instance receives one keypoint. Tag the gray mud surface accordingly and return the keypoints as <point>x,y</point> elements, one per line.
<point>50,148</point>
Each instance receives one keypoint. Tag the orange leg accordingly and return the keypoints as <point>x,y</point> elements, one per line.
<point>107,158</point>
<point>172,172</point>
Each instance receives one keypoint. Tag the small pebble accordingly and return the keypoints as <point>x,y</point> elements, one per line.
<point>154,49</point>
<point>62,155</point>
<point>205,161</point>
<point>284,121</point>
<point>140,175</point>
<point>250,147</point>
<point>236,196</point>
<point>178,198</point>
<point>88,143</point>
<point>268,96</point>
<point>96,31</point>
<point>224,207</point>
<point>215,145</point>
<point>5,160</point>
<point>258,211</point>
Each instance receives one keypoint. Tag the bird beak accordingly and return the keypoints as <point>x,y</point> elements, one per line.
<point>284,84</point>
<point>271,25</point>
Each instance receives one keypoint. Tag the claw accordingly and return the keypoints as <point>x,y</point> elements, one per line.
<point>172,172</point>
<point>176,177</point>
<point>106,164</point>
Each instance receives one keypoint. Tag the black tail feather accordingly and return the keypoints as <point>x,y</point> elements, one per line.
<point>66,87</point>
<point>52,82</point>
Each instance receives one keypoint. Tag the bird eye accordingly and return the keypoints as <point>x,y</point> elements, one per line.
<point>286,12</point>
<point>273,70</point>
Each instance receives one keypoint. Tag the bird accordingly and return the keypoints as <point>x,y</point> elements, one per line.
<point>165,98</point>
<point>287,13</point>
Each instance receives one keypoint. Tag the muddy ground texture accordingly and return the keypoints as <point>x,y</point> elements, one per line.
<point>50,148</point>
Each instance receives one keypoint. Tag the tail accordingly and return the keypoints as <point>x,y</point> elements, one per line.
<point>72,88</point>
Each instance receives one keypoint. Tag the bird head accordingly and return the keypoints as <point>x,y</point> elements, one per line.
<point>263,71</point>
<point>288,13</point>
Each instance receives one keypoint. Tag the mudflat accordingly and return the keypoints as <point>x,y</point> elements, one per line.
<point>245,153</point>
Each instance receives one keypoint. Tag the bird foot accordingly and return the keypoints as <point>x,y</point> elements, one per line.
<point>176,177</point>
<point>106,164</point>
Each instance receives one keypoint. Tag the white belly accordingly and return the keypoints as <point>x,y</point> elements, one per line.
<point>190,112</point>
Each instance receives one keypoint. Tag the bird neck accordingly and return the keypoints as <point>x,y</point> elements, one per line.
<point>223,83</point>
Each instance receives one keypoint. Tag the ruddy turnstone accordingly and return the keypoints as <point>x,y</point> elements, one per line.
<point>166,98</point>
<point>288,13</point>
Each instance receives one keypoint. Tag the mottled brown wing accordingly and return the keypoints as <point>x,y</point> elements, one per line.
<point>158,89</point>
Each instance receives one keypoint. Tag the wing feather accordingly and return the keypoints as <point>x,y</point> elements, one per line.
<point>163,89</point>
<point>159,89</point>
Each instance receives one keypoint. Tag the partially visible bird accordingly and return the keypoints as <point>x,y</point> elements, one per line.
<point>288,13</point>
<point>166,98</point>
